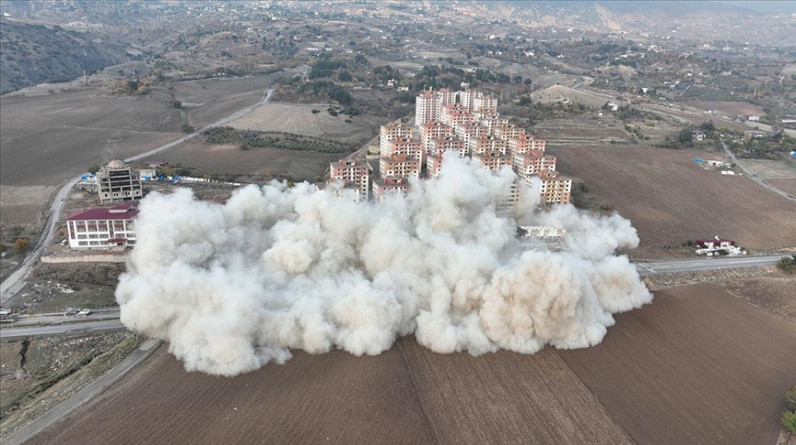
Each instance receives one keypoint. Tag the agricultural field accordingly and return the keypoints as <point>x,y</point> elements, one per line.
<point>206,101</point>
<point>673,200</point>
<point>697,365</point>
<point>730,108</point>
<point>777,173</point>
<point>300,119</point>
<point>256,164</point>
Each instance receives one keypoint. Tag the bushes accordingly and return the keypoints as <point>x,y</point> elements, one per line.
<point>788,418</point>
<point>247,139</point>
<point>788,265</point>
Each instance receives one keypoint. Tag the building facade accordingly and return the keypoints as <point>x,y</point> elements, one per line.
<point>117,182</point>
<point>102,228</point>
<point>351,174</point>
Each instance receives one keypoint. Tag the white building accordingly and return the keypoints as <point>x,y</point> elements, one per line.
<point>102,228</point>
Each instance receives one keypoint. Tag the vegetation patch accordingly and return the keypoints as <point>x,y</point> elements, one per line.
<point>246,139</point>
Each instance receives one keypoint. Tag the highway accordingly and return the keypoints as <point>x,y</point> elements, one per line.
<point>707,263</point>
<point>85,327</point>
<point>16,281</point>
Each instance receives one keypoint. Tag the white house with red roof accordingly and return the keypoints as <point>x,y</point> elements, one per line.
<point>102,228</point>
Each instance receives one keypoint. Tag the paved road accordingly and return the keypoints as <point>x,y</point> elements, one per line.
<point>84,395</point>
<point>708,263</point>
<point>56,319</point>
<point>754,176</point>
<point>80,327</point>
<point>16,281</point>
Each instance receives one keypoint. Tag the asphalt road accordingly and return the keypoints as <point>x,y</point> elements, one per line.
<point>79,327</point>
<point>16,281</point>
<point>707,263</point>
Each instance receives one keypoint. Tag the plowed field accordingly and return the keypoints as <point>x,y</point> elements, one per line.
<point>696,366</point>
<point>672,200</point>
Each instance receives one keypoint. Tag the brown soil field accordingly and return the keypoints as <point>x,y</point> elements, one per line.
<point>730,108</point>
<point>406,395</point>
<point>696,366</point>
<point>507,398</point>
<point>299,119</point>
<point>559,93</point>
<point>206,101</point>
<point>780,174</point>
<point>770,294</point>
<point>672,200</point>
<point>22,205</point>
<point>251,163</point>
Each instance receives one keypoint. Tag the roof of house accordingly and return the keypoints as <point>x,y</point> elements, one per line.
<point>119,211</point>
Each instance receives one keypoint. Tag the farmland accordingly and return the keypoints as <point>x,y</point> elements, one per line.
<point>255,164</point>
<point>672,200</point>
<point>698,365</point>
<point>300,119</point>
<point>47,139</point>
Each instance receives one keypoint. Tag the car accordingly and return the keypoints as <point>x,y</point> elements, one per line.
<point>84,312</point>
<point>5,311</point>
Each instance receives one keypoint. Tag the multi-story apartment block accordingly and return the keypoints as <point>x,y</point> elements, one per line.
<point>388,185</point>
<point>524,144</point>
<point>493,160</point>
<point>117,181</point>
<point>400,165</point>
<point>449,143</point>
<point>432,131</point>
<point>426,108</point>
<point>351,174</point>
<point>509,132</point>
<point>555,189</point>
<point>102,228</point>
<point>490,143</point>
<point>391,132</point>
<point>455,115</point>
<point>533,163</point>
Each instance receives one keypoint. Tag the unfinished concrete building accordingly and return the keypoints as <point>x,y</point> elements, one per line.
<point>117,182</point>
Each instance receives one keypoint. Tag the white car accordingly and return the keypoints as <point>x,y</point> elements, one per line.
<point>84,312</point>
<point>5,311</point>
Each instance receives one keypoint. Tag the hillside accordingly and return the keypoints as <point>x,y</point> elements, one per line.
<point>32,54</point>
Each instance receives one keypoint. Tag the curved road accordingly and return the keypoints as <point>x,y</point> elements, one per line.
<point>16,281</point>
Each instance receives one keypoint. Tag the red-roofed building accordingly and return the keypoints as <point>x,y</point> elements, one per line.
<point>102,228</point>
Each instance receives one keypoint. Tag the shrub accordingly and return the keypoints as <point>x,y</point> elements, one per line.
<point>314,111</point>
<point>21,244</point>
<point>788,265</point>
<point>788,420</point>
<point>93,168</point>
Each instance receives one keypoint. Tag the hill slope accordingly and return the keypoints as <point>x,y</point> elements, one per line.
<point>32,54</point>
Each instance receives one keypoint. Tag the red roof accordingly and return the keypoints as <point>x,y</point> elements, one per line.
<point>120,211</point>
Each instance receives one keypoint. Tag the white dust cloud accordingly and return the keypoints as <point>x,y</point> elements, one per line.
<point>232,287</point>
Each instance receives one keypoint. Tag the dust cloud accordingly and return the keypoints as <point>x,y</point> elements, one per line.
<point>235,286</point>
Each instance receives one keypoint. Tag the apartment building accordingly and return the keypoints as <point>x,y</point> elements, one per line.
<point>351,174</point>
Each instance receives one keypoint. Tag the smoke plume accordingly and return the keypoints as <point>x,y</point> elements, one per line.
<point>235,286</point>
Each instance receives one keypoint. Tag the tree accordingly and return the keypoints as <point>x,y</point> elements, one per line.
<point>517,79</point>
<point>21,244</point>
<point>685,136</point>
<point>93,168</point>
<point>352,43</point>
